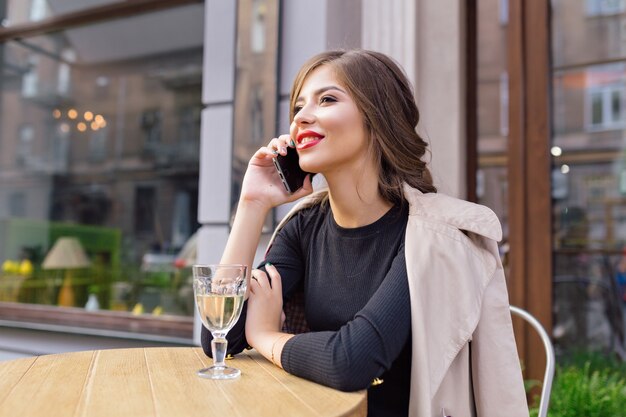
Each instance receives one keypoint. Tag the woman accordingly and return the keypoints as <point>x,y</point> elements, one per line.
<point>396,279</point>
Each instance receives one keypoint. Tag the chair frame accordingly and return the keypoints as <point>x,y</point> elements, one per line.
<point>550,360</point>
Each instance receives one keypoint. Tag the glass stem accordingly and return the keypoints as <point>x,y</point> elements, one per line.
<point>218,347</point>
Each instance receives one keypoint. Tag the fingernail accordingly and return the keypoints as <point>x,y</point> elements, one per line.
<point>292,143</point>
<point>283,150</point>
<point>275,152</point>
<point>268,264</point>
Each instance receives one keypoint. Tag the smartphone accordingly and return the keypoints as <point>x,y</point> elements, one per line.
<point>288,168</point>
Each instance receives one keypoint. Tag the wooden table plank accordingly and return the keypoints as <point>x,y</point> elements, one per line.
<point>326,401</point>
<point>262,392</point>
<point>51,377</point>
<point>10,374</point>
<point>176,388</point>
<point>118,385</point>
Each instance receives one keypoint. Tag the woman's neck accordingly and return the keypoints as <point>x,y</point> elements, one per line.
<point>355,199</point>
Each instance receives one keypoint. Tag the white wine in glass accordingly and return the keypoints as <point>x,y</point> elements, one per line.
<point>219,292</point>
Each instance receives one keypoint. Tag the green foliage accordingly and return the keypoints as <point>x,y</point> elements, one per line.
<point>588,384</point>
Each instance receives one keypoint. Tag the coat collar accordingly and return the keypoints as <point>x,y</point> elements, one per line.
<point>458,213</point>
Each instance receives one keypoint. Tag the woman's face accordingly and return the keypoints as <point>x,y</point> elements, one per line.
<point>328,128</point>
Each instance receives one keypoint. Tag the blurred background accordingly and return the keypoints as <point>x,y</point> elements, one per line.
<point>127,126</point>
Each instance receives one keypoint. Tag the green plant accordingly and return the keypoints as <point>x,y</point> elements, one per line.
<point>588,385</point>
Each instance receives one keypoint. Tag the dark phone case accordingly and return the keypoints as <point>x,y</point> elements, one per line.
<point>289,170</point>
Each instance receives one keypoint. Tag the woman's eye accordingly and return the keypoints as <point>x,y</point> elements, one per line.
<point>327,99</point>
<point>296,109</point>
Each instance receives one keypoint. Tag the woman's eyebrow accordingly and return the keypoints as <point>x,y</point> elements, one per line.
<point>323,90</point>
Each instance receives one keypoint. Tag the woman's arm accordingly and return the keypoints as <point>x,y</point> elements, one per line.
<point>246,233</point>
<point>261,190</point>
<point>265,305</point>
<point>347,359</point>
<point>290,259</point>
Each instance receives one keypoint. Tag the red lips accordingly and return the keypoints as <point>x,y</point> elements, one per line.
<point>308,134</point>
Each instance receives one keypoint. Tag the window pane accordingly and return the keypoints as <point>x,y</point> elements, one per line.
<point>145,203</point>
<point>100,133</point>
<point>597,113</point>
<point>616,105</point>
<point>589,176</point>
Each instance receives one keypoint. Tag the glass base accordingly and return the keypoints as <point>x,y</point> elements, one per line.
<point>219,372</point>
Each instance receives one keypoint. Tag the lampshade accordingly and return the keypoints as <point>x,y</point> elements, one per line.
<point>67,253</point>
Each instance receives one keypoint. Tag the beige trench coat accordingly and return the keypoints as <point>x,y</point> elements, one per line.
<point>458,295</point>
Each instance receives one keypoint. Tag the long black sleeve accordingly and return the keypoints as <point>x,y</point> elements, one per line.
<point>362,349</point>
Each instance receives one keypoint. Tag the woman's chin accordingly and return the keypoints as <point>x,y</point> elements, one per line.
<point>309,166</point>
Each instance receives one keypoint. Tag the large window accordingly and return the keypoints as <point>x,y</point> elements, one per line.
<point>589,191</point>
<point>100,133</point>
<point>554,170</point>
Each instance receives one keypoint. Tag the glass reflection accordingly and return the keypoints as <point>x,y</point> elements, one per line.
<point>101,142</point>
<point>589,175</point>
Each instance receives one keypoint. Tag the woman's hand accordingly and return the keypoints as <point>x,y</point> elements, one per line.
<point>261,183</point>
<point>265,306</point>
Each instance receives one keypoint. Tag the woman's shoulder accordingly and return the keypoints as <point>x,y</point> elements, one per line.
<point>302,218</point>
<point>305,208</point>
<point>308,216</point>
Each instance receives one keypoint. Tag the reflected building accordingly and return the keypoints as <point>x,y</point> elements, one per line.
<point>589,172</point>
<point>95,134</point>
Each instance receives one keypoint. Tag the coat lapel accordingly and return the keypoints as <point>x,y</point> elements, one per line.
<point>448,271</point>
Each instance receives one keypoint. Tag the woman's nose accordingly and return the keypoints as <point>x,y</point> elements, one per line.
<point>304,116</point>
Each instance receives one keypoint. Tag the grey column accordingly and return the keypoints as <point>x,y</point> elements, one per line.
<point>220,26</point>
<point>337,25</point>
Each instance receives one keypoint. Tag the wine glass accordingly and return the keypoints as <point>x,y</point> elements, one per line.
<point>219,291</point>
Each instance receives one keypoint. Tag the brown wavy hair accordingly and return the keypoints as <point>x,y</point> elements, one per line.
<point>384,97</point>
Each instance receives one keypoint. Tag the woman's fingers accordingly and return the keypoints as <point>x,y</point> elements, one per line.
<point>277,285</point>
<point>258,279</point>
<point>287,140</point>
<point>280,144</point>
<point>306,189</point>
<point>277,146</point>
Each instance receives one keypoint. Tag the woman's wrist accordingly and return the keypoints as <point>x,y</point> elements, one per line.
<point>279,344</point>
<point>271,345</point>
<point>253,206</point>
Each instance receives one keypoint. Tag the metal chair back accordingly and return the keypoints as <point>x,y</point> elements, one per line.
<point>547,344</point>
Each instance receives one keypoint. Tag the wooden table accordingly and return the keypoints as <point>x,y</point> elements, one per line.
<point>161,382</point>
